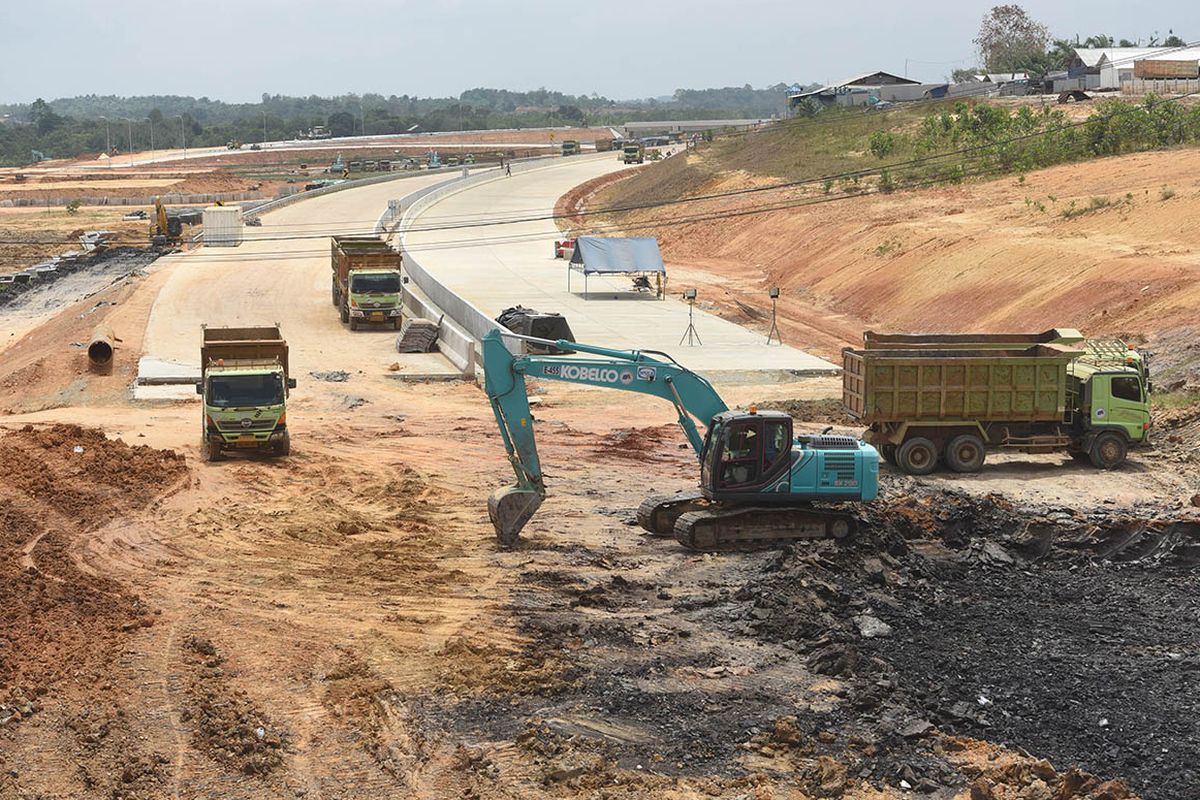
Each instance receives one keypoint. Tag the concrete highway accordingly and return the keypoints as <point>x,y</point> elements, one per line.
<point>276,276</point>
<point>494,274</point>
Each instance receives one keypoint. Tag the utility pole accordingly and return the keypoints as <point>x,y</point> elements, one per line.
<point>127,119</point>
<point>151,135</point>
<point>264,113</point>
<point>182,136</point>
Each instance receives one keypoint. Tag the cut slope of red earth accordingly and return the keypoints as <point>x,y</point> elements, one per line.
<point>1110,246</point>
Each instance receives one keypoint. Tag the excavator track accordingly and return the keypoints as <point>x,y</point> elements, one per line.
<point>657,513</point>
<point>752,527</point>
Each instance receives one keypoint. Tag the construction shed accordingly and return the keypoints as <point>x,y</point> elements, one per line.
<point>632,255</point>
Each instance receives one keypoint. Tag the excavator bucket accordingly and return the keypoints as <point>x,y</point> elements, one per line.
<point>510,508</point>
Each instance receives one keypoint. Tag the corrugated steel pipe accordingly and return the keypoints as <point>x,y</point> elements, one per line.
<point>100,348</point>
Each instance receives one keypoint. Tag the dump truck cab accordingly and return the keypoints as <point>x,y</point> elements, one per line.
<point>244,386</point>
<point>375,296</point>
<point>570,147</point>
<point>1113,399</point>
<point>633,153</point>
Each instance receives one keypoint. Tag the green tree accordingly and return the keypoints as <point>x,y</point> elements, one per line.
<point>1100,40</point>
<point>1010,40</point>
<point>341,124</point>
<point>1173,41</point>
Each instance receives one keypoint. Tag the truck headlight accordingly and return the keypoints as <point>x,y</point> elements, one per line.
<point>354,312</point>
<point>395,312</point>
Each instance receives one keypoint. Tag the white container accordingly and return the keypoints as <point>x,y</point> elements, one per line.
<point>222,226</point>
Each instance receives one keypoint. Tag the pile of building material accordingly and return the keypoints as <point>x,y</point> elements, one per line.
<point>417,336</point>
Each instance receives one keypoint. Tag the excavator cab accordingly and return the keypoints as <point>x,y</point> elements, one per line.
<point>746,453</point>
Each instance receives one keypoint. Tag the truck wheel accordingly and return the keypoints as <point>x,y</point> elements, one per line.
<point>345,312</point>
<point>353,324</point>
<point>396,324</point>
<point>888,451</point>
<point>917,456</point>
<point>284,447</point>
<point>334,292</point>
<point>965,453</point>
<point>209,452</point>
<point>1108,451</point>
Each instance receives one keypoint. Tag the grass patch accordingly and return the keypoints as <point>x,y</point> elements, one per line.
<point>1095,204</point>
<point>1182,399</point>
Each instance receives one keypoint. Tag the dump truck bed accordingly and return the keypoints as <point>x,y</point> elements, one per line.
<point>969,341</point>
<point>361,252</point>
<point>936,385</point>
<point>260,344</point>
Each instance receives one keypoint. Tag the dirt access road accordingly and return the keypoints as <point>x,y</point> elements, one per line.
<point>340,624</point>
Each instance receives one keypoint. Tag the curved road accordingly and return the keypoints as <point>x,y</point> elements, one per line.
<point>479,265</point>
<point>280,273</point>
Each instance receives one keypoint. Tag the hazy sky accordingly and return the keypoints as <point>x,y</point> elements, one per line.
<point>619,48</point>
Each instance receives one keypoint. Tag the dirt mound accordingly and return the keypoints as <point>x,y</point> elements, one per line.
<point>828,410</point>
<point>472,668</point>
<point>656,444</point>
<point>62,623</point>
<point>225,723</point>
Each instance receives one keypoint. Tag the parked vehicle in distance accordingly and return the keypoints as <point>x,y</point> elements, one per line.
<point>570,147</point>
<point>633,153</point>
<point>367,283</point>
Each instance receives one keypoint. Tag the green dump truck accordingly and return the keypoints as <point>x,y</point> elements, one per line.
<point>570,147</point>
<point>367,284</point>
<point>244,384</point>
<point>633,153</point>
<point>930,398</point>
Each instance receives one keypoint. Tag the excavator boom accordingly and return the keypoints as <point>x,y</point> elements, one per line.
<point>505,374</point>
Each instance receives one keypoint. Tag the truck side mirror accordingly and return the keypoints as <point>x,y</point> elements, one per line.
<point>1149,387</point>
<point>199,388</point>
<point>291,383</point>
<point>404,279</point>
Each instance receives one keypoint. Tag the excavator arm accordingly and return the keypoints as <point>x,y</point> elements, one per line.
<point>505,374</point>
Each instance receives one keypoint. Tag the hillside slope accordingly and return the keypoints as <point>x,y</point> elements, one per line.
<point>1109,246</point>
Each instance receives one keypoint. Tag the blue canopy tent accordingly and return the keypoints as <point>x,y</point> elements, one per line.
<point>634,255</point>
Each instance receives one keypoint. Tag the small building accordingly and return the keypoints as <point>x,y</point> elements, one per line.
<point>868,89</point>
<point>1114,68</point>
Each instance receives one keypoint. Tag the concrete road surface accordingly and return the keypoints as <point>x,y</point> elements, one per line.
<point>494,275</point>
<point>279,274</point>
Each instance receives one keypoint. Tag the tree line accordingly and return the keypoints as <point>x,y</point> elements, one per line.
<point>72,126</point>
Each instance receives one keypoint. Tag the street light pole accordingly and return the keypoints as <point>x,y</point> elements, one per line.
<point>264,113</point>
<point>127,119</point>
<point>183,136</point>
<point>151,136</point>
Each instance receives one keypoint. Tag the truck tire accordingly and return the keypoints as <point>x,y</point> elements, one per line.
<point>917,456</point>
<point>1108,451</point>
<point>345,312</point>
<point>284,447</point>
<point>353,324</point>
<point>965,453</point>
<point>208,451</point>
<point>334,292</point>
<point>888,451</point>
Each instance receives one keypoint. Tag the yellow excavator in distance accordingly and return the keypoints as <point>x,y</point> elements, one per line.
<point>165,231</point>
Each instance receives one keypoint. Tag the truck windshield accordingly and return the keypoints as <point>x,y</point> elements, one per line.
<point>239,391</point>
<point>375,284</point>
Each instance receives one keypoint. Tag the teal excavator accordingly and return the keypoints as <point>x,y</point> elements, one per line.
<point>758,482</point>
